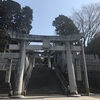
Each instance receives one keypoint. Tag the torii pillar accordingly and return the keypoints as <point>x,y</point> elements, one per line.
<point>85,70</point>
<point>71,73</point>
<point>49,60</point>
<point>20,70</point>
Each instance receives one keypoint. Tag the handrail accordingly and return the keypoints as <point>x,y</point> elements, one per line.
<point>27,76</point>
<point>64,83</point>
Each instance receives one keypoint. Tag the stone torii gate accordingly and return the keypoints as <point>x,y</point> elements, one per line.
<point>46,46</point>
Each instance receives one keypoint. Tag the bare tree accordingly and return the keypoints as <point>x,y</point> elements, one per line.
<point>87,20</point>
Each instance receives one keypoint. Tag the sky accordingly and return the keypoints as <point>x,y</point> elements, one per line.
<point>45,12</point>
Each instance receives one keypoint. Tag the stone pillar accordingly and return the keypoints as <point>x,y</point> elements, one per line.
<point>63,58</point>
<point>54,62</point>
<point>71,73</point>
<point>8,71</point>
<point>26,64</point>
<point>33,63</point>
<point>85,71</point>
<point>58,58</point>
<point>20,70</point>
<point>49,61</point>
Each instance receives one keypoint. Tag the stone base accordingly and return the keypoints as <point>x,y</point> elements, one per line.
<point>74,95</point>
<point>17,96</point>
<point>89,94</point>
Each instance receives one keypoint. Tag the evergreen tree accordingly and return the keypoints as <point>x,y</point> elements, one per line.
<point>64,25</point>
<point>15,18</point>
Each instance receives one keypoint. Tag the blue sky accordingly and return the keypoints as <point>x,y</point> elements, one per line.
<point>45,11</point>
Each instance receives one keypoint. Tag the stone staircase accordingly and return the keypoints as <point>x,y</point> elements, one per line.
<point>43,82</point>
<point>4,87</point>
<point>94,81</point>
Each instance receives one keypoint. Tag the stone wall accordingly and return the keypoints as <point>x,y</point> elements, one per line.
<point>4,63</point>
<point>92,62</point>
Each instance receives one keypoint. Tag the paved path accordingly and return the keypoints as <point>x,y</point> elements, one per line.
<point>55,97</point>
<point>59,97</point>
